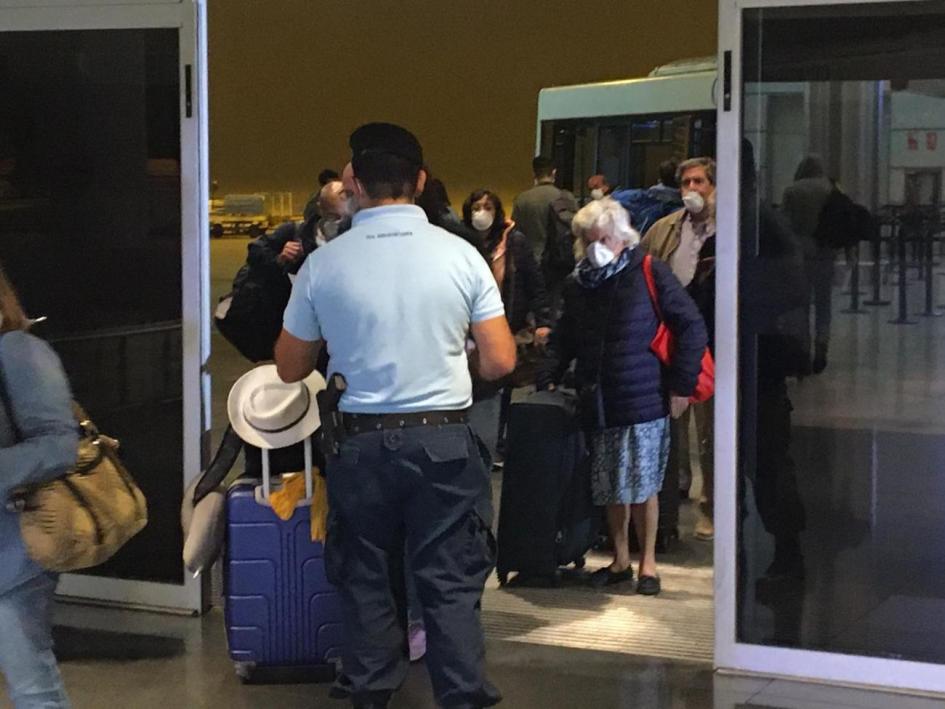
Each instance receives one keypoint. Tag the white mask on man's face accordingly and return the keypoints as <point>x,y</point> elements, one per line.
<point>599,254</point>
<point>329,227</point>
<point>694,202</point>
<point>597,193</point>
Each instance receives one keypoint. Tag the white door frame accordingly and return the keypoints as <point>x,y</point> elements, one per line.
<point>189,17</point>
<point>730,654</point>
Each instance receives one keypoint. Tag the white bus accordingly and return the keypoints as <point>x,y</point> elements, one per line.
<point>625,129</point>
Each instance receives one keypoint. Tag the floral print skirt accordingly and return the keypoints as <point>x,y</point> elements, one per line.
<point>628,462</point>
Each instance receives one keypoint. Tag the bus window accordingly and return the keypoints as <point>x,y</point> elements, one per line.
<point>613,154</point>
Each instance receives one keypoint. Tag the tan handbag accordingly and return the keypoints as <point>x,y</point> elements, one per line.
<point>81,519</point>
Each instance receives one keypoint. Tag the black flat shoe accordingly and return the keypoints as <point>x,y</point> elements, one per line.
<point>606,577</point>
<point>648,585</point>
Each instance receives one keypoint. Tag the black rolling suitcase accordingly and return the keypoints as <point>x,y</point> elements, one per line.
<point>546,517</point>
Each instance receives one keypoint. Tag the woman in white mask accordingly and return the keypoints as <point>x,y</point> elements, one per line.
<point>523,292</point>
<point>626,396</point>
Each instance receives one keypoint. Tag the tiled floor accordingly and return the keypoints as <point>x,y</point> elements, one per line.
<point>544,646</point>
<point>114,659</point>
<point>883,385</point>
<point>677,624</point>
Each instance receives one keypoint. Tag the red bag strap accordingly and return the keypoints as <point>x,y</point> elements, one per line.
<point>651,284</point>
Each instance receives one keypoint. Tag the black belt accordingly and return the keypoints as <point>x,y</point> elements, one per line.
<point>362,423</point>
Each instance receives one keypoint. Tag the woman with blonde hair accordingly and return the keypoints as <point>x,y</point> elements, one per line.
<point>38,439</point>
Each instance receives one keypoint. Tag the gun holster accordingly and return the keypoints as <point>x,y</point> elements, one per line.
<point>332,433</point>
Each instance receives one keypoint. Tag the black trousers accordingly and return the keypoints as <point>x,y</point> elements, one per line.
<point>424,489</point>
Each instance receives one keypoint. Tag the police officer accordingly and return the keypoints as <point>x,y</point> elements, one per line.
<point>395,300</point>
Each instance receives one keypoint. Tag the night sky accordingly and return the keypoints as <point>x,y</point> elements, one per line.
<point>290,79</point>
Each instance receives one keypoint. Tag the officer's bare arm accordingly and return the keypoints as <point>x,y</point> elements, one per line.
<point>295,358</point>
<point>496,347</point>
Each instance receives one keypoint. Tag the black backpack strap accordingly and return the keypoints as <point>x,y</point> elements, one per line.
<point>220,466</point>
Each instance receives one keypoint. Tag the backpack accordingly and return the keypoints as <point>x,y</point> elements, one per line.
<point>557,261</point>
<point>843,223</point>
<point>250,315</point>
<point>647,206</point>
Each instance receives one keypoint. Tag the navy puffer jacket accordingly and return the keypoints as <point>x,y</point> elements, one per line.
<point>634,384</point>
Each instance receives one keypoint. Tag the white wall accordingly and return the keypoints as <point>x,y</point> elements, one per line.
<point>916,137</point>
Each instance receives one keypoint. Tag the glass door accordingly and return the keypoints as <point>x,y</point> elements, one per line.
<point>102,197</point>
<point>831,448</point>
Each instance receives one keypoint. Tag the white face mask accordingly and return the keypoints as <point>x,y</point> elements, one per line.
<point>599,255</point>
<point>482,220</point>
<point>597,193</point>
<point>329,228</point>
<point>694,202</point>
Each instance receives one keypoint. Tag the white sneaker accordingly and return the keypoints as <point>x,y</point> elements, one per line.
<point>417,641</point>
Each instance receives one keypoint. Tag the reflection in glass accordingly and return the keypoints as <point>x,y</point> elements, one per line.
<point>842,449</point>
<point>90,231</point>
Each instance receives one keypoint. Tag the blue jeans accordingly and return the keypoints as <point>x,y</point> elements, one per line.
<point>26,656</point>
<point>423,489</point>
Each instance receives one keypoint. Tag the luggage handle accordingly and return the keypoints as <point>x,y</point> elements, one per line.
<point>262,492</point>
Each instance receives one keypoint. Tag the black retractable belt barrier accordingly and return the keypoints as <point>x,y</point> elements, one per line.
<point>929,241</point>
<point>899,236</point>
<point>854,285</point>
<point>877,272</point>
<point>939,236</point>
<point>855,308</point>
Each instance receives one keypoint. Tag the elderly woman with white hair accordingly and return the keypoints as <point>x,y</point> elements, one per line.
<point>626,394</point>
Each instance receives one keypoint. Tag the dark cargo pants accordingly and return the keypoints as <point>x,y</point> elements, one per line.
<point>425,488</point>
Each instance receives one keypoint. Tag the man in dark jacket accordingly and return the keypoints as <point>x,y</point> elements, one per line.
<point>284,251</point>
<point>530,209</point>
<point>544,212</point>
<point>250,317</point>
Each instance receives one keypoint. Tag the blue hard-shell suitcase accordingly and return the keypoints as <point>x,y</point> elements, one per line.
<point>283,617</point>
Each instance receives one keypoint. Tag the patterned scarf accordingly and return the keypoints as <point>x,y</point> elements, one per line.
<point>589,277</point>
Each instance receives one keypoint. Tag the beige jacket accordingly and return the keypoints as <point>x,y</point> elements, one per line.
<point>663,238</point>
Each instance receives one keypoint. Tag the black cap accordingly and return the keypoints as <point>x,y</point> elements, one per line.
<point>386,138</point>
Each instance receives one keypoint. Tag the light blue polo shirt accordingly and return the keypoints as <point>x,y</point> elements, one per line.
<point>394,298</point>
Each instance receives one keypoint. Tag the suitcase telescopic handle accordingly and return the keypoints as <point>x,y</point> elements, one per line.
<point>263,491</point>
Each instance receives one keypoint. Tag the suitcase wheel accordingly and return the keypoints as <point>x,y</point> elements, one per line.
<point>244,670</point>
<point>503,577</point>
<point>580,563</point>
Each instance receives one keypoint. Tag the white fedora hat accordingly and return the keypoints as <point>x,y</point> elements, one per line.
<point>269,413</point>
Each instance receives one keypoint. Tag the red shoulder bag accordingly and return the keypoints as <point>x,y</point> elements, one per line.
<point>663,342</point>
